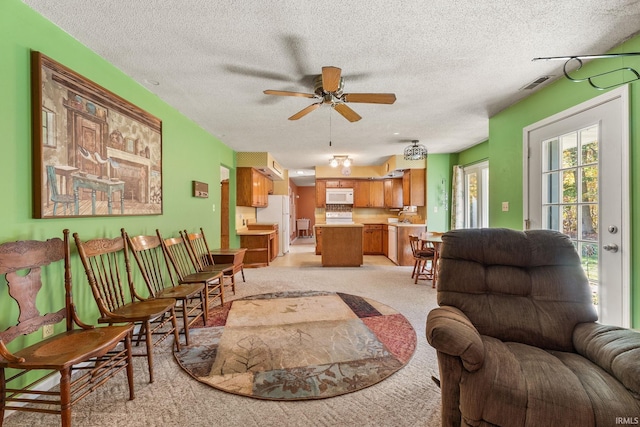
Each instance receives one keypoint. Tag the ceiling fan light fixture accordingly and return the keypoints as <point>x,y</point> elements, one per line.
<point>415,151</point>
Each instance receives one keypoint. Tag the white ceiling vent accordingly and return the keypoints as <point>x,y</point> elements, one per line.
<point>537,82</point>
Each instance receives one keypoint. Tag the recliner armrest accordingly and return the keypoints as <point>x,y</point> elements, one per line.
<point>614,349</point>
<point>450,331</point>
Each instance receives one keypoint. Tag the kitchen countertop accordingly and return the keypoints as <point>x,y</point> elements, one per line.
<point>254,232</point>
<point>355,224</point>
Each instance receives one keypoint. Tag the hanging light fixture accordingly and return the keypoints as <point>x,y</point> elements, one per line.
<point>340,160</point>
<point>415,151</point>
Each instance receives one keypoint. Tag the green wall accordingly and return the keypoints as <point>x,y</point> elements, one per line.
<point>189,153</point>
<point>439,167</point>
<point>505,149</point>
<point>474,154</point>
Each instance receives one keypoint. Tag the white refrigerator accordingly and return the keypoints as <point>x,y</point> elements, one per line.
<point>277,213</point>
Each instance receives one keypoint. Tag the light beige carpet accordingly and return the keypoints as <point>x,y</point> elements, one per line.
<point>407,398</point>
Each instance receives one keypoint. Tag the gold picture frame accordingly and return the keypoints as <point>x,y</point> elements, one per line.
<point>94,153</point>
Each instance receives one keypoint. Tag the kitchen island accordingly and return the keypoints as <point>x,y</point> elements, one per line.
<point>341,244</point>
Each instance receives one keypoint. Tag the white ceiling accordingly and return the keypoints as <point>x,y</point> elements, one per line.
<point>452,64</point>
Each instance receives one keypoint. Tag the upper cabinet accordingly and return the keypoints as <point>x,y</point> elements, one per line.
<point>340,183</point>
<point>413,187</point>
<point>393,193</point>
<point>321,193</point>
<point>252,188</point>
<point>368,194</point>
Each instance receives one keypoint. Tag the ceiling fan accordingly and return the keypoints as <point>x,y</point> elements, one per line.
<point>328,90</point>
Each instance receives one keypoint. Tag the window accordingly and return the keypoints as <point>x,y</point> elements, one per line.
<point>48,129</point>
<point>476,195</point>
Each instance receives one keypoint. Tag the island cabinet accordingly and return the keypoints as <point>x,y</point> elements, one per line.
<point>342,245</point>
<point>252,188</point>
<point>413,187</point>
<point>321,193</point>
<point>372,244</point>
<point>318,233</point>
<point>368,194</point>
<point>393,193</point>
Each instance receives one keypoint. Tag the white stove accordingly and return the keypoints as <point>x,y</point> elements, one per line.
<point>339,217</point>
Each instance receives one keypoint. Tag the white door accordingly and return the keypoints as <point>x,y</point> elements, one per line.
<point>577,181</point>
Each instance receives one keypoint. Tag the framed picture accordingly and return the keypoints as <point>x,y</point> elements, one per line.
<point>94,153</point>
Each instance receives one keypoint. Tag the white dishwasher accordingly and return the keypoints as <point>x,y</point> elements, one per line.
<point>393,243</point>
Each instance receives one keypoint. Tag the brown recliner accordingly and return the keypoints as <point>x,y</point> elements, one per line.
<point>517,339</point>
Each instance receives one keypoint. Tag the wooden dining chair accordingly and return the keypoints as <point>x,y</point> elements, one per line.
<point>84,356</point>
<point>105,260</point>
<point>151,259</point>
<point>422,257</point>
<point>181,259</point>
<point>204,261</point>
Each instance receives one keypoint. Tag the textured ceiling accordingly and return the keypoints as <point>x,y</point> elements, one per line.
<point>452,64</point>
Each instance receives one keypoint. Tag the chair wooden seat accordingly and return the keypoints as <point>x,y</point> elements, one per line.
<point>186,290</point>
<point>137,311</point>
<point>84,356</point>
<point>69,348</point>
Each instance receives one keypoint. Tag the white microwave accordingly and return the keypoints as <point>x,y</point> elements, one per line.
<point>339,196</point>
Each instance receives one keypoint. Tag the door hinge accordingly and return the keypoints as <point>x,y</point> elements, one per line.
<point>527,224</point>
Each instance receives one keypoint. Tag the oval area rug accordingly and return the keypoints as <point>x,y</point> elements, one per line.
<point>298,345</point>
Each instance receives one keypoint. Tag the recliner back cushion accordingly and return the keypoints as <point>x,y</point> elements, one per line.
<point>526,287</point>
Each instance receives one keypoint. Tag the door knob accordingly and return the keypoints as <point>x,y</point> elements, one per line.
<point>611,248</point>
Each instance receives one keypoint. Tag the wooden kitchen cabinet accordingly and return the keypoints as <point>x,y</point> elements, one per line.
<point>259,244</point>
<point>339,183</point>
<point>342,245</point>
<point>385,240</point>
<point>393,193</point>
<point>368,194</point>
<point>321,193</point>
<point>274,241</point>
<point>413,187</point>
<point>318,232</point>
<point>252,188</point>
<point>405,255</point>
<point>372,244</point>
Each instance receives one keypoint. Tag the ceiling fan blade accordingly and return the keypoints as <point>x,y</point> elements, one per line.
<point>331,78</point>
<point>288,93</point>
<point>347,112</point>
<point>305,111</point>
<point>370,98</point>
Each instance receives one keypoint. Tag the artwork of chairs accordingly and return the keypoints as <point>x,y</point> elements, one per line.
<point>66,200</point>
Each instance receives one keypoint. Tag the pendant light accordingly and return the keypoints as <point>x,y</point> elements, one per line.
<point>415,151</point>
